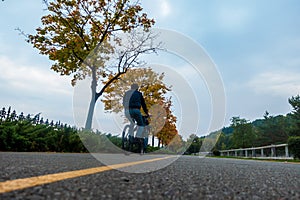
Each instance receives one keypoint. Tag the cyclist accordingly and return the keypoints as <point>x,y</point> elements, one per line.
<point>133,100</point>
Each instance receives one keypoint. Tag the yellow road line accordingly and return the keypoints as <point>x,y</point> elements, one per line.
<point>23,183</point>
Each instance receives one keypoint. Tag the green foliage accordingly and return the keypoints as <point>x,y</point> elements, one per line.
<point>294,146</point>
<point>151,149</point>
<point>243,135</point>
<point>26,136</point>
<point>30,135</point>
<point>216,152</point>
<point>295,103</point>
<point>273,130</point>
<point>261,132</point>
<point>18,133</point>
<point>224,141</point>
<point>115,139</point>
<point>94,142</point>
<point>194,143</point>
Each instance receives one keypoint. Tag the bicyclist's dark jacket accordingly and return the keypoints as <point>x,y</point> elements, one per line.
<point>134,99</point>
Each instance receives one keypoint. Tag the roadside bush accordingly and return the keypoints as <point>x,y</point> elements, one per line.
<point>294,146</point>
<point>151,149</point>
<point>216,153</point>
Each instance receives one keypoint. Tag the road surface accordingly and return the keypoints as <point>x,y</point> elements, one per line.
<point>143,177</point>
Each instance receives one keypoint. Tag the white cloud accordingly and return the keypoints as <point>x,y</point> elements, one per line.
<point>278,83</point>
<point>20,77</point>
<point>280,61</point>
<point>31,89</point>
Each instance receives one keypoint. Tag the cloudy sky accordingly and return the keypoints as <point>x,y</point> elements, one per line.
<point>255,46</point>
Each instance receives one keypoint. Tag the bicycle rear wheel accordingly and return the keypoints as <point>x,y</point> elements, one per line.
<point>141,145</point>
<point>125,138</point>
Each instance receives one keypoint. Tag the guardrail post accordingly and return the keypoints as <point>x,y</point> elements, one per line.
<point>273,151</point>
<point>286,151</point>
<point>235,153</point>
<point>253,152</point>
<point>246,152</point>
<point>261,152</point>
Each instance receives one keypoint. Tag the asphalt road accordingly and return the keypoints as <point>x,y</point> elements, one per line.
<point>182,177</point>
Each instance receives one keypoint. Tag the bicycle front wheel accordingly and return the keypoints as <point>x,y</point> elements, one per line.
<point>125,138</point>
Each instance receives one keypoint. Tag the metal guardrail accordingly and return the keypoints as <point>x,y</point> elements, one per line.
<point>269,151</point>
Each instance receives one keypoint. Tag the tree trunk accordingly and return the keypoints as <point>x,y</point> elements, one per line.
<point>95,95</point>
<point>89,119</point>
<point>153,140</point>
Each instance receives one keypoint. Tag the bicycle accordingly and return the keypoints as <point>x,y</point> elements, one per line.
<point>129,140</point>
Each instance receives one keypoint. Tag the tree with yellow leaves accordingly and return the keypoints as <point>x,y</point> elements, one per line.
<point>81,36</point>
<point>163,122</point>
